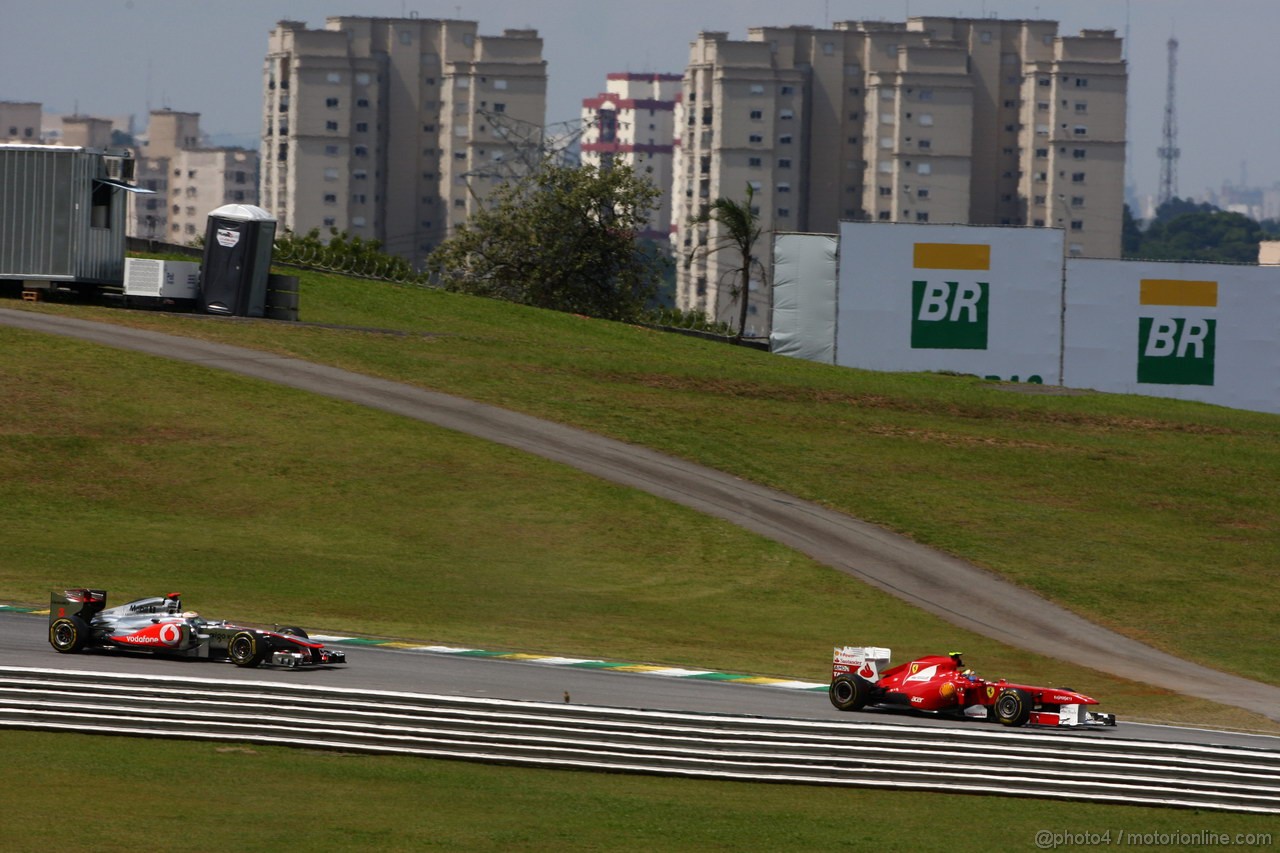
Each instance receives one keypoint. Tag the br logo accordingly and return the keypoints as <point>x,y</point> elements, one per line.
<point>950,314</point>
<point>1176,347</point>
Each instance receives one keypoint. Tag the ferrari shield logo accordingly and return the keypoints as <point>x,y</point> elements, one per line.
<point>915,667</point>
<point>991,691</point>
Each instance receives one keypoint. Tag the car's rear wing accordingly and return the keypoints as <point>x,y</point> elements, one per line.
<point>865,661</point>
<point>84,603</point>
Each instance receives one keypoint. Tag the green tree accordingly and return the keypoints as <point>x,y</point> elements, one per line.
<point>1200,236</point>
<point>563,237</point>
<point>740,231</point>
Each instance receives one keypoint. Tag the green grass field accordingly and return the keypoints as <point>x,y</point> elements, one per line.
<point>211,796</point>
<point>1156,518</point>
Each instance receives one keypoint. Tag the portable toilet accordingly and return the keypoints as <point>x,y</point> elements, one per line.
<point>237,259</point>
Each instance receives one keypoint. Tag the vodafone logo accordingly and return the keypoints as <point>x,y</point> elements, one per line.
<point>170,634</point>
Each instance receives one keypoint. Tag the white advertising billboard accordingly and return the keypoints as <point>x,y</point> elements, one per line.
<point>969,299</point>
<point>1207,332</point>
<point>804,296</point>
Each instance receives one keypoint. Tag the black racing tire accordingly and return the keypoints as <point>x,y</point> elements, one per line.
<point>68,634</point>
<point>245,649</point>
<point>849,692</point>
<point>292,631</point>
<point>1013,707</point>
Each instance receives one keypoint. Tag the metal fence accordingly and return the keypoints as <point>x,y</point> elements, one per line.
<point>979,760</point>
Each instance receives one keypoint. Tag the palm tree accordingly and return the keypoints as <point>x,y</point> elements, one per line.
<point>740,230</point>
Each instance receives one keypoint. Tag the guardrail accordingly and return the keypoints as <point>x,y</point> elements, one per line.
<point>979,760</point>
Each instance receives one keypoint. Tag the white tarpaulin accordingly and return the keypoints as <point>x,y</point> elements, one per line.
<point>1208,332</point>
<point>958,298</point>
<point>804,296</point>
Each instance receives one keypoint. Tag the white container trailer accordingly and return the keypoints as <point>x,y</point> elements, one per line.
<point>62,215</point>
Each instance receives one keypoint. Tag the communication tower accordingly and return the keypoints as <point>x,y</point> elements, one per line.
<point>1169,151</point>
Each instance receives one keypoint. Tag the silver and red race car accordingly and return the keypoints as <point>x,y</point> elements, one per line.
<point>941,684</point>
<point>80,619</point>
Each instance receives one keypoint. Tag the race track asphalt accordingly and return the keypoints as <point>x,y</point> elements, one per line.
<point>965,595</point>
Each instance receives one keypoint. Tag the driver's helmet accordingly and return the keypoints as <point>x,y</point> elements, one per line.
<point>970,674</point>
<point>190,614</point>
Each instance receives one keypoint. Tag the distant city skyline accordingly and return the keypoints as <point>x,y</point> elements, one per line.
<point>118,57</point>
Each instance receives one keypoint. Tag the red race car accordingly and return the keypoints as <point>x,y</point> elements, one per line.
<point>941,684</point>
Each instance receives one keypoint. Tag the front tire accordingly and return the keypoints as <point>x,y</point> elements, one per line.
<point>68,634</point>
<point>1013,707</point>
<point>245,649</point>
<point>292,631</point>
<point>849,692</point>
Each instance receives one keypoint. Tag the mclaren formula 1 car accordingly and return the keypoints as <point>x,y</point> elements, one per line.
<point>80,619</point>
<point>941,684</point>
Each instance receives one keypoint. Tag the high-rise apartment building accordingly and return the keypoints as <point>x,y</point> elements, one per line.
<point>977,121</point>
<point>393,129</point>
<point>633,122</point>
<point>20,121</point>
<point>187,178</point>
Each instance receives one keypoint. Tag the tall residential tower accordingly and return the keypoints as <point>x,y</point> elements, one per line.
<point>977,121</point>
<point>380,127</point>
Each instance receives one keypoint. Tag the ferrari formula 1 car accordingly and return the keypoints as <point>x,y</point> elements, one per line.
<point>940,684</point>
<point>80,619</point>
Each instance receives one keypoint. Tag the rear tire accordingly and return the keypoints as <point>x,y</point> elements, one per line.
<point>68,634</point>
<point>849,692</point>
<point>245,649</point>
<point>1013,707</point>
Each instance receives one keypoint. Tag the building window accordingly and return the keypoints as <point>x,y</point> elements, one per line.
<point>784,164</point>
<point>1010,104</point>
<point>783,212</point>
<point>1080,130</point>
<point>926,119</point>
<point>1039,199</point>
<point>755,137</point>
<point>925,143</point>
<point>362,79</point>
<point>359,198</point>
<point>331,174</point>
<point>1077,153</point>
<point>924,169</point>
<point>1077,177</point>
<point>330,222</point>
<point>886,191</point>
<point>887,118</point>
<point>360,175</point>
<point>786,115</point>
<point>922,192</point>
<point>1042,106</point>
<point>922,216</point>
<point>757,114</point>
<point>886,94</point>
<point>884,214</point>
<point>1077,201</point>
<point>1082,107</point>
<point>330,198</point>
<point>500,85</point>
<point>331,103</point>
<point>361,151</point>
<point>330,125</point>
<point>784,187</point>
<point>757,88</point>
<point>1043,81</point>
<point>1082,82</point>
<point>362,102</point>
<point>1077,225</point>
<point>1039,223</point>
<point>926,95</point>
<point>499,108</point>
<point>787,90</point>
<point>362,127</point>
<point>458,202</point>
<point>1042,152</point>
<point>885,167</point>
<point>785,139</point>
<point>331,150</point>
<point>754,162</point>
<point>886,142</point>
<point>333,77</point>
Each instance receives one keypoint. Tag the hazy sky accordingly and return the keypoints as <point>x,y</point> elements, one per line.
<point>116,57</point>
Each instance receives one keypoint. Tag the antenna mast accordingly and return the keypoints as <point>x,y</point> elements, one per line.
<point>1169,151</point>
